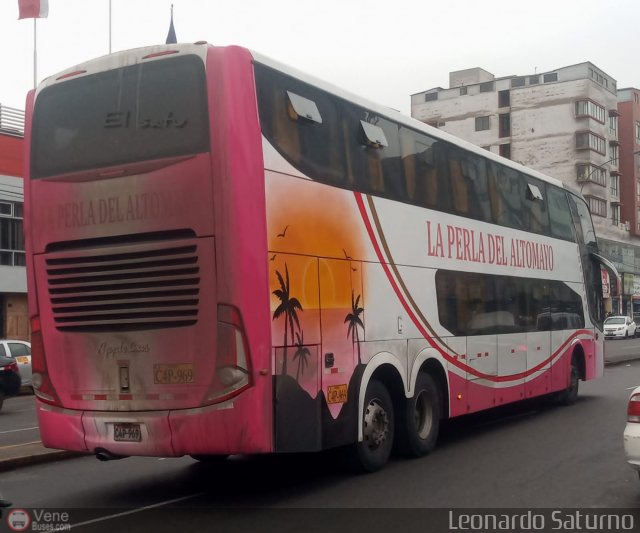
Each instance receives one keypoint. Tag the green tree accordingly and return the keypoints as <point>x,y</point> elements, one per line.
<point>288,308</point>
<point>354,321</point>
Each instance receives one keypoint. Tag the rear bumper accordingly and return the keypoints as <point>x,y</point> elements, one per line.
<point>207,430</point>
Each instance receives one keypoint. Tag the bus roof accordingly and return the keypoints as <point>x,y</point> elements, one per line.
<point>133,56</point>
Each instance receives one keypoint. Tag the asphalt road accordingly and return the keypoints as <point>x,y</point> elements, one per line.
<point>528,457</point>
<point>18,421</point>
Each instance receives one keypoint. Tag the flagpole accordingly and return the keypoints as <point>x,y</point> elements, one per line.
<point>35,55</point>
<point>109,26</point>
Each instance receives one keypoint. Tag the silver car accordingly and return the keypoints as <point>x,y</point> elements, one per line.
<point>21,352</point>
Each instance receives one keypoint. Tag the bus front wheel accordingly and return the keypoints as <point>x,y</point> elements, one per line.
<point>420,419</point>
<point>372,453</point>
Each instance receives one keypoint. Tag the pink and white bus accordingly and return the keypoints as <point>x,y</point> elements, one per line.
<point>226,256</point>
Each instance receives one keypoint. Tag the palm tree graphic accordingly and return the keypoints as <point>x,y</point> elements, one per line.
<point>287,308</point>
<point>301,354</point>
<point>354,321</point>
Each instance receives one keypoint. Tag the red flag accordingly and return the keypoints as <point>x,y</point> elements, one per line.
<point>33,9</point>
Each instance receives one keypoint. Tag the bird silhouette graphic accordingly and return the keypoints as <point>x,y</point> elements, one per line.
<point>284,231</point>
<point>273,257</point>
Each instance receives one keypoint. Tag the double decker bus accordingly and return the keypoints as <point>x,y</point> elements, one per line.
<point>227,256</point>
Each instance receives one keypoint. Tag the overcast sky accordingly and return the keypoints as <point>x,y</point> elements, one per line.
<point>382,50</point>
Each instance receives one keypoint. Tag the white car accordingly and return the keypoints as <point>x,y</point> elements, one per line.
<point>619,327</point>
<point>21,352</point>
<point>632,431</point>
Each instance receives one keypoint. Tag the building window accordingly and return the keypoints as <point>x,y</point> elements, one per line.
<point>534,80</point>
<point>11,234</point>
<point>517,82</point>
<point>614,180</point>
<point>637,132</point>
<point>613,153</point>
<point>587,108</point>
<point>587,140</point>
<point>597,206</point>
<point>486,87</point>
<point>504,122</point>
<point>505,150</point>
<point>463,91</point>
<point>482,123</point>
<point>550,77</point>
<point>615,214</point>
<point>592,173</point>
<point>430,97</point>
<point>613,126</point>
<point>504,98</point>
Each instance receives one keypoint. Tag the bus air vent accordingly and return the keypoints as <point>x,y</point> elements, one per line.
<point>143,286</point>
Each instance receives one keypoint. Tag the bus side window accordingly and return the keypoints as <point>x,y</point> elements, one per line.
<point>459,187</point>
<point>284,128</point>
<point>559,214</point>
<point>534,206</point>
<point>506,190</point>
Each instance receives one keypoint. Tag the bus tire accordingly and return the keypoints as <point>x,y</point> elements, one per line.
<point>570,394</point>
<point>419,421</point>
<point>378,424</point>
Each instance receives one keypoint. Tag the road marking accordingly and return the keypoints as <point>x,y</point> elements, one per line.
<point>21,444</point>
<point>631,388</point>
<point>140,509</point>
<point>14,430</point>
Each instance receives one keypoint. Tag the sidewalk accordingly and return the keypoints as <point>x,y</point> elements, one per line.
<point>30,453</point>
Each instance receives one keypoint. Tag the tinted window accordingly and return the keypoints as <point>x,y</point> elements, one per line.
<point>142,112</point>
<point>3,351</point>
<point>482,304</point>
<point>18,348</point>
<point>409,166</point>
<point>559,214</point>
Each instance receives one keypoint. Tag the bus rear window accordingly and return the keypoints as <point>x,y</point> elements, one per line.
<point>137,113</point>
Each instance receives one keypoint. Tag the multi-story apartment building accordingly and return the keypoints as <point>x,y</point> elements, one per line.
<point>564,123</point>
<point>14,318</point>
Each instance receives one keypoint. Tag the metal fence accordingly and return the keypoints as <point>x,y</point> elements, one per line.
<point>11,121</point>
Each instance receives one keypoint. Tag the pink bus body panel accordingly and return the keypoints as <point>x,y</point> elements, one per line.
<point>227,215</point>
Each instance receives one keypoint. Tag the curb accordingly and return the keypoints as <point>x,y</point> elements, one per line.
<point>31,454</point>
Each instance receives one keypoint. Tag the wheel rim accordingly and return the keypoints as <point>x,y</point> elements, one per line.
<point>423,414</point>
<point>376,425</point>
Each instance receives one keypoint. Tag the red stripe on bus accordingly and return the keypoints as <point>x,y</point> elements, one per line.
<point>421,328</point>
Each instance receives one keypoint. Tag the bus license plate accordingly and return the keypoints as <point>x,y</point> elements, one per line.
<point>127,433</point>
<point>337,394</point>
<point>23,359</point>
<point>173,374</point>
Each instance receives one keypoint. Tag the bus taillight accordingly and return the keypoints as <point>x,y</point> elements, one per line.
<point>42,386</point>
<point>633,410</point>
<point>232,374</point>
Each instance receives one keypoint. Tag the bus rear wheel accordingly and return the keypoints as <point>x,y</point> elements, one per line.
<point>570,394</point>
<point>419,424</point>
<point>372,453</point>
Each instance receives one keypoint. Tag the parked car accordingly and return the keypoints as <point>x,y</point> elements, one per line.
<point>632,431</point>
<point>619,327</point>
<point>21,351</point>
<point>9,378</point>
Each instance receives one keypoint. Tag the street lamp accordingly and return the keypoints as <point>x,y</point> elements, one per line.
<point>599,167</point>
